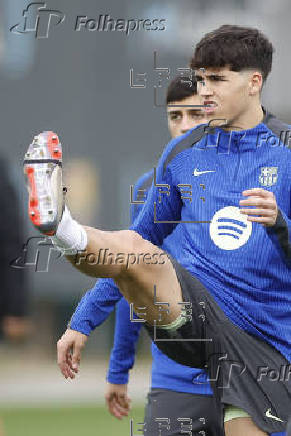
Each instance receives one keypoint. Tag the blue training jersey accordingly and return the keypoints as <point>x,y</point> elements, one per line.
<point>245,266</point>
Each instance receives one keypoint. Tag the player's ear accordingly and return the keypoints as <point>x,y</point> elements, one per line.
<point>255,83</point>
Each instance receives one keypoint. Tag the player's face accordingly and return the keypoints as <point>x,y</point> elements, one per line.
<point>228,92</point>
<point>181,119</point>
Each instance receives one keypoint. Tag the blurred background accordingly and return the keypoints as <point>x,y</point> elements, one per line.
<point>102,93</point>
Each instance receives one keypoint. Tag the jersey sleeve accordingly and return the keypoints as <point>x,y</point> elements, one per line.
<point>125,338</point>
<point>95,306</point>
<point>162,210</point>
<point>280,234</point>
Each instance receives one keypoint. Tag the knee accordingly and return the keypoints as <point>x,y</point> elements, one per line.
<point>134,244</point>
<point>140,254</point>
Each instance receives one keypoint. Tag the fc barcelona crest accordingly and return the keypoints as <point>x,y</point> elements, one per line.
<point>268,176</point>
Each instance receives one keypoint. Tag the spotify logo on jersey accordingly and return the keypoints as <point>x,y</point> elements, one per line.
<point>229,229</point>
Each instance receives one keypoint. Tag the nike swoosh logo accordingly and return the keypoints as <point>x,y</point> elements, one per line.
<point>196,172</point>
<point>269,415</point>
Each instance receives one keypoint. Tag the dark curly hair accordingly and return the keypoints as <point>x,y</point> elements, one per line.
<point>234,46</point>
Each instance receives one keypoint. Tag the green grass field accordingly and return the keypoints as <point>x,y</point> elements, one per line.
<point>67,421</point>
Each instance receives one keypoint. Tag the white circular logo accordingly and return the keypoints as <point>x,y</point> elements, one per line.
<point>229,229</point>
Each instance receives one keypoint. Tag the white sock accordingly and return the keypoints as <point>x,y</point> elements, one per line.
<point>71,237</point>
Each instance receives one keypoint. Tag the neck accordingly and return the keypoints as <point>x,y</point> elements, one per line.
<point>247,120</point>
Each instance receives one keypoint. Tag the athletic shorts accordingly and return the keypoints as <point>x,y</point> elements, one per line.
<point>172,413</point>
<point>242,368</point>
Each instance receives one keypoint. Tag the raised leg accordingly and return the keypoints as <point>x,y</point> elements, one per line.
<point>138,268</point>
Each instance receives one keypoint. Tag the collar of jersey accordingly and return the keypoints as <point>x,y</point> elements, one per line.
<point>234,141</point>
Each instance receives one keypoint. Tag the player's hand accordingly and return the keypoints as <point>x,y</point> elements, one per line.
<point>265,206</point>
<point>117,400</point>
<point>69,349</point>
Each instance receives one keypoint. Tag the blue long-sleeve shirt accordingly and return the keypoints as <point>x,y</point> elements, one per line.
<point>95,306</point>
<point>244,265</point>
